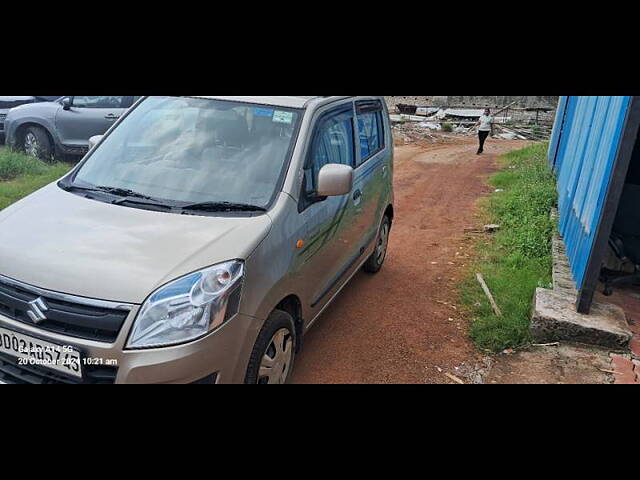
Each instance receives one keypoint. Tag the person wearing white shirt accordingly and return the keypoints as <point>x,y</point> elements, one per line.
<point>485,127</point>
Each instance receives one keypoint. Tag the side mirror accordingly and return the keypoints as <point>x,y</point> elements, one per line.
<point>334,180</point>
<point>66,103</point>
<point>93,141</point>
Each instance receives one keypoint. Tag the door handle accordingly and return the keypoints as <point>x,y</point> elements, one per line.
<point>357,197</point>
<point>111,116</point>
<point>384,171</point>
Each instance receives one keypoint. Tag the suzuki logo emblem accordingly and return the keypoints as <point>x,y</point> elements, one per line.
<point>36,310</point>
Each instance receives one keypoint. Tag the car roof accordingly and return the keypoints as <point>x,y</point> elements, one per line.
<point>289,102</point>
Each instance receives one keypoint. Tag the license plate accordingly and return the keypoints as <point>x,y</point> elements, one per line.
<point>33,352</point>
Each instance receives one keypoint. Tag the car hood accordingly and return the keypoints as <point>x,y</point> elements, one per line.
<point>63,242</point>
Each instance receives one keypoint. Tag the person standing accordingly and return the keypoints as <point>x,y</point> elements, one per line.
<point>485,127</point>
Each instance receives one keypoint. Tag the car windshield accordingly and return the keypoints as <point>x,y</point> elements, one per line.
<point>195,150</point>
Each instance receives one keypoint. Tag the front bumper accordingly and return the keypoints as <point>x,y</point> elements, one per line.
<point>222,355</point>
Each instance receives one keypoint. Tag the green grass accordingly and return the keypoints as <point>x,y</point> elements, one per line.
<point>21,175</point>
<point>517,259</point>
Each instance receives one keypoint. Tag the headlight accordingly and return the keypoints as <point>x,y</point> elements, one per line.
<point>189,307</point>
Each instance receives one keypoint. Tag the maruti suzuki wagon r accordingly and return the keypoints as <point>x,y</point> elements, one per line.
<point>196,242</point>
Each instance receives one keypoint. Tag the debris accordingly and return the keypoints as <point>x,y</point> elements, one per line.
<point>508,351</point>
<point>426,110</point>
<point>430,125</point>
<point>454,378</point>
<point>607,371</point>
<point>487,292</point>
<point>491,228</point>
<point>499,190</point>
<point>552,344</point>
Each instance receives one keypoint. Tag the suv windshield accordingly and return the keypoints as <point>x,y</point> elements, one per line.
<point>193,151</point>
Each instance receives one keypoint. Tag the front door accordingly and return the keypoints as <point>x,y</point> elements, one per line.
<point>329,244</point>
<point>89,116</point>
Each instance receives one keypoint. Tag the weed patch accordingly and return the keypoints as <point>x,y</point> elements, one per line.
<point>517,259</point>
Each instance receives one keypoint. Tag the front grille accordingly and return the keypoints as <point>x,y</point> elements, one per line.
<point>63,317</point>
<point>11,372</point>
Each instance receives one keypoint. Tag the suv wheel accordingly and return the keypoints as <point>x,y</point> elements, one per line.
<point>375,261</point>
<point>36,143</point>
<point>272,357</point>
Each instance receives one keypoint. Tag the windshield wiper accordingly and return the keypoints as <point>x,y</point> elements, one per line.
<point>122,192</point>
<point>142,201</point>
<point>128,196</point>
<point>119,192</point>
<point>223,207</point>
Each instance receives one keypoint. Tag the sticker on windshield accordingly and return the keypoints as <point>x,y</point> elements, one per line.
<point>263,112</point>
<point>282,117</point>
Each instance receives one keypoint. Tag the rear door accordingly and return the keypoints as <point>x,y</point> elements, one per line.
<point>89,116</point>
<point>372,170</point>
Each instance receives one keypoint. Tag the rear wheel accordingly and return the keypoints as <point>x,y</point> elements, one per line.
<point>376,260</point>
<point>272,357</point>
<point>36,143</point>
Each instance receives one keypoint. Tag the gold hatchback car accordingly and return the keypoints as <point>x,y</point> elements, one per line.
<point>196,242</point>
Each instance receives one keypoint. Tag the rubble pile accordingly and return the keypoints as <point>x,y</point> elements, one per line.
<point>416,123</point>
<point>414,132</point>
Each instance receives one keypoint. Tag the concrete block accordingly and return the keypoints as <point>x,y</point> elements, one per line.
<point>555,319</point>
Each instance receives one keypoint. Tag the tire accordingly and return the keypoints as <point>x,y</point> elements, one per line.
<point>36,143</point>
<point>278,329</point>
<point>376,260</point>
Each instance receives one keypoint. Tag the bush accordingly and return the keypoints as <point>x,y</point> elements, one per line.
<point>14,164</point>
<point>447,127</point>
<point>21,175</point>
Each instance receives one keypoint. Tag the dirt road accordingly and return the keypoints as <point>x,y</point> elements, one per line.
<point>403,325</point>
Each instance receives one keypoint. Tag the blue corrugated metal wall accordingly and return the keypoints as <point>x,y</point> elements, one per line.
<point>557,128</point>
<point>583,150</point>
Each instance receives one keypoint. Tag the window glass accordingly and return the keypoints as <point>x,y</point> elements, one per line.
<point>333,143</point>
<point>196,150</point>
<point>98,102</point>
<point>370,128</point>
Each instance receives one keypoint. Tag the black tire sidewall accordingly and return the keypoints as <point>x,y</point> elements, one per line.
<point>372,265</point>
<point>277,320</point>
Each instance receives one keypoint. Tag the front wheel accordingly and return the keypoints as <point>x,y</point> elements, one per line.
<point>36,143</point>
<point>272,357</point>
<point>376,260</point>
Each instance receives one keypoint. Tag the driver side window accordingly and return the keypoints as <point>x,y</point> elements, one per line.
<point>333,141</point>
<point>98,102</point>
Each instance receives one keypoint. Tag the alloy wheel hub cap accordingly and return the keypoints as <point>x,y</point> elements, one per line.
<point>31,144</point>
<point>276,361</point>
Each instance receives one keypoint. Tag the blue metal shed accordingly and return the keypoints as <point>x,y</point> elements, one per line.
<point>590,150</point>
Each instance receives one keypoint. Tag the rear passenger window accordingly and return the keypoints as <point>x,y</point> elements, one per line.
<point>333,142</point>
<point>370,129</point>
